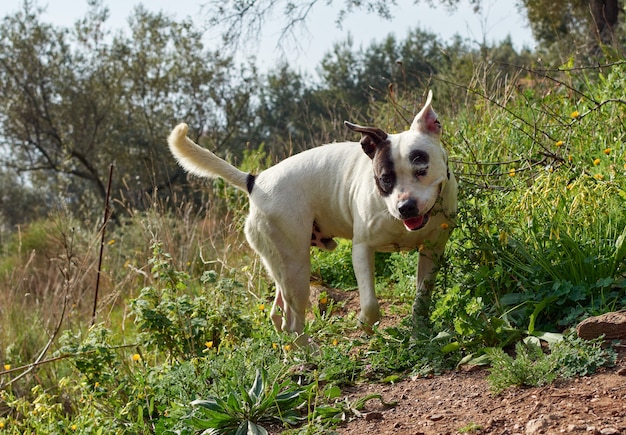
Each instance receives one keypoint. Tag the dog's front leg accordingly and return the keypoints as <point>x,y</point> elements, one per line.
<point>427,267</point>
<point>363,265</point>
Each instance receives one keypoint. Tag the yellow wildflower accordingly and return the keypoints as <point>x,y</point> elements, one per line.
<point>444,226</point>
<point>111,242</point>
<point>607,151</point>
<point>7,367</point>
<point>209,344</point>
<point>512,172</point>
<point>559,143</point>
<point>261,307</point>
<point>287,347</point>
<point>274,346</point>
<point>324,300</point>
<point>599,177</point>
<point>73,427</point>
<point>335,342</point>
<point>1,424</point>
<point>596,162</point>
<point>136,357</point>
<point>575,114</point>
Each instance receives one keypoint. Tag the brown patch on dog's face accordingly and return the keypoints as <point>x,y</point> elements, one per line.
<point>384,170</point>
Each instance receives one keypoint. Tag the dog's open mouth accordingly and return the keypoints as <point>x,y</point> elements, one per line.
<point>416,223</point>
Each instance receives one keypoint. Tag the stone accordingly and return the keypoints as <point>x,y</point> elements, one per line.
<point>611,325</point>
<point>374,416</point>
<point>536,426</point>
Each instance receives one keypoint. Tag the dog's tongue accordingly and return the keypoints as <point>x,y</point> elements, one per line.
<point>414,223</point>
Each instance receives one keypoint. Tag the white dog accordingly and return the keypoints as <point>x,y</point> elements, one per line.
<point>390,192</point>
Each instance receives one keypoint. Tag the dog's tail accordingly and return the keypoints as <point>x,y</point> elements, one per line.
<point>202,162</point>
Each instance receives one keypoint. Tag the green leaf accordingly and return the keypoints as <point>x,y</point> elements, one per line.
<point>258,386</point>
<point>210,403</point>
<point>538,309</point>
<point>233,403</point>
<point>549,337</point>
<point>480,360</point>
<point>450,347</point>
<point>332,392</point>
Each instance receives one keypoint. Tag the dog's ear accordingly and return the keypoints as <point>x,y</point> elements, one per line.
<point>426,121</point>
<point>372,137</point>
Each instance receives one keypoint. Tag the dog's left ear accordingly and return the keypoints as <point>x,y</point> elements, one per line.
<point>372,138</point>
<point>426,121</point>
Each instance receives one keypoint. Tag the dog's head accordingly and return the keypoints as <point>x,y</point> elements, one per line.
<point>410,168</point>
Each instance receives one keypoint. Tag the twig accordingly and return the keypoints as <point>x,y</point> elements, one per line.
<point>104,225</point>
<point>29,367</point>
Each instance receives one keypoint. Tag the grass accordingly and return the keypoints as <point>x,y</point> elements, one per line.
<point>182,324</point>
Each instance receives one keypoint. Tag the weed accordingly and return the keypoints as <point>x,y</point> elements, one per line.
<point>244,411</point>
<point>532,367</point>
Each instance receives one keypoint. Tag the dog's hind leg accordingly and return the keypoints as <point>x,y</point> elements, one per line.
<point>278,307</point>
<point>287,260</point>
<point>292,289</point>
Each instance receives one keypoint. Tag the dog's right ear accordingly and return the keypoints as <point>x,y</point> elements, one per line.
<point>372,137</point>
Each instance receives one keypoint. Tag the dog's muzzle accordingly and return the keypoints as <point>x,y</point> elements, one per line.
<point>409,214</point>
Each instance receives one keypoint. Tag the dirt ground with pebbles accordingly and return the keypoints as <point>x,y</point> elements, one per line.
<point>460,402</point>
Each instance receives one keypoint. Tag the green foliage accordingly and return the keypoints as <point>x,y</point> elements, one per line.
<point>335,267</point>
<point>182,324</point>
<point>405,348</point>
<point>243,410</point>
<point>93,356</point>
<point>532,367</point>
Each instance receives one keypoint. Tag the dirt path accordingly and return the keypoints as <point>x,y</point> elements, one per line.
<point>460,402</point>
<point>457,402</point>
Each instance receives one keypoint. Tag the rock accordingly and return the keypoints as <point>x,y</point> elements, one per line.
<point>610,431</point>
<point>374,416</point>
<point>536,426</point>
<point>622,371</point>
<point>436,417</point>
<point>611,325</point>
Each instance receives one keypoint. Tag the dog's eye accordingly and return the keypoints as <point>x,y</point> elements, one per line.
<point>385,182</point>
<point>420,173</point>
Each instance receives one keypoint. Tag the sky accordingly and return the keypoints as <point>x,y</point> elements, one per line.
<point>497,20</point>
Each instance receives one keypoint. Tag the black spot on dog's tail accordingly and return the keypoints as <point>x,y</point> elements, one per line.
<point>250,183</point>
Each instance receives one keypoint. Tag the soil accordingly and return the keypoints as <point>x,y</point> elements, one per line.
<point>460,402</point>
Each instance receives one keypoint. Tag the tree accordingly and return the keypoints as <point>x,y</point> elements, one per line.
<point>73,101</point>
<point>576,24</point>
<point>245,19</point>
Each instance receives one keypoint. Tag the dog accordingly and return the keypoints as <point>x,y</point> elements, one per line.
<point>388,192</point>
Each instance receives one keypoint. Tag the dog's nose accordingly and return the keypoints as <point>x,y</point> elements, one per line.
<point>407,208</point>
